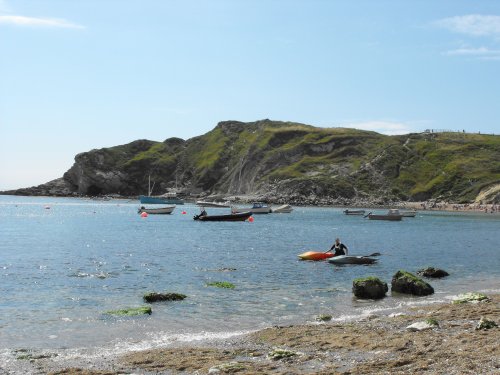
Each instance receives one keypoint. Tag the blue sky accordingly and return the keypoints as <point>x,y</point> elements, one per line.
<point>79,75</point>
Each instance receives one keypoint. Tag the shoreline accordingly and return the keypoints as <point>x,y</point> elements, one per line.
<point>430,205</point>
<point>371,345</point>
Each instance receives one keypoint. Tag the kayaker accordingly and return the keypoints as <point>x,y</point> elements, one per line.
<point>339,248</point>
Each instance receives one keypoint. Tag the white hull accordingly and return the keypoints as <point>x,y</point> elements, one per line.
<point>160,211</point>
<point>285,209</point>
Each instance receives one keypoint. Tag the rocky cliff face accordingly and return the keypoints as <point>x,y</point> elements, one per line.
<point>290,162</point>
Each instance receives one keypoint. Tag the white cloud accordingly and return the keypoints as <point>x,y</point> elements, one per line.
<point>472,24</point>
<point>383,127</point>
<point>483,53</point>
<point>38,22</point>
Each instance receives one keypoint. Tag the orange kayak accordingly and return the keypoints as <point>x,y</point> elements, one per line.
<point>315,255</point>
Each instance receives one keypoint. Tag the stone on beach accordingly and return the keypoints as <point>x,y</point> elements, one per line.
<point>407,283</point>
<point>432,272</point>
<point>484,324</point>
<point>422,326</point>
<point>369,288</point>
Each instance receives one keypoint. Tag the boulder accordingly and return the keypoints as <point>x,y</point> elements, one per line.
<point>369,288</point>
<point>432,272</point>
<point>158,297</point>
<point>407,283</point>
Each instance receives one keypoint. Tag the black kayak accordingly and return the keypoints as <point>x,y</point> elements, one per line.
<point>351,259</point>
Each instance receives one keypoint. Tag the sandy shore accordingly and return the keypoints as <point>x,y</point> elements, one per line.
<point>375,345</point>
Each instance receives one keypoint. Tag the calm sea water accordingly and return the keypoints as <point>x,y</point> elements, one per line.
<point>62,267</point>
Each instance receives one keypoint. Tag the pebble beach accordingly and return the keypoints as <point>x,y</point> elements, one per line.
<point>373,345</point>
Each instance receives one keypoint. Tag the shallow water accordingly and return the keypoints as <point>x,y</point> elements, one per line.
<point>63,266</point>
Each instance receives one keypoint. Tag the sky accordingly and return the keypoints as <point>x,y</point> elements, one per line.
<point>81,75</point>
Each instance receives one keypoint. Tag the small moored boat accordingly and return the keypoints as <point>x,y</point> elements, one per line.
<point>213,204</point>
<point>168,198</point>
<point>354,212</point>
<point>391,215</point>
<point>241,216</point>
<point>153,211</point>
<point>284,209</point>
<point>257,208</point>
<point>351,259</point>
<point>411,213</point>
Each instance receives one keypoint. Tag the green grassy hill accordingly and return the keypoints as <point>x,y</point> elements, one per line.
<point>287,161</point>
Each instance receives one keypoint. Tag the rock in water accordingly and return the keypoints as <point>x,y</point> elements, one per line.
<point>158,297</point>
<point>432,272</point>
<point>407,283</point>
<point>369,288</point>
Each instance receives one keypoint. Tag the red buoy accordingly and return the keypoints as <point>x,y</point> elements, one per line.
<point>144,214</point>
<point>184,212</point>
<point>250,219</point>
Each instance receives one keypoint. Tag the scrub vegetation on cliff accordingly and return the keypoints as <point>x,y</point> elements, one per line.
<point>286,161</point>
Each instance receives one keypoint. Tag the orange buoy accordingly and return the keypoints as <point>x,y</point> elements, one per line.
<point>250,219</point>
<point>144,214</point>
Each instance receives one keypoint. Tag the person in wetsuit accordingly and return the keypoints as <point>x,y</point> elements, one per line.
<point>339,248</point>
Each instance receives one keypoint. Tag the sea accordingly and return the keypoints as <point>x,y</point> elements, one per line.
<point>64,262</point>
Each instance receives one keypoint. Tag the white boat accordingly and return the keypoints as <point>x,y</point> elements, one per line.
<point>284,209</point>
<point>392,215</point>
<point>411,213</point>
<point>257,208</point>
<point>213,204</point>
<point>161,211</point>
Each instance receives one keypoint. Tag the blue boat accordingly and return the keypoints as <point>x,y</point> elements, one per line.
<point>167,199</point>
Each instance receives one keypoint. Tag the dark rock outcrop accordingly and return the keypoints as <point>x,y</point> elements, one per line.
<point>407,283</point>
<point>159,297</point>
<point>432,272</point>
<point>369,288</point>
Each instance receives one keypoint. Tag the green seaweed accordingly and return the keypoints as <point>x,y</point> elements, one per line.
<point>221,284</point>
<point>277,354</point>
<point>229,367</point>
<point>432,322</point>
<point>368,278</point>
<point>409,276</point>
<point>323,318</point>
<point>132,311</point>
<point>471,297</point>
